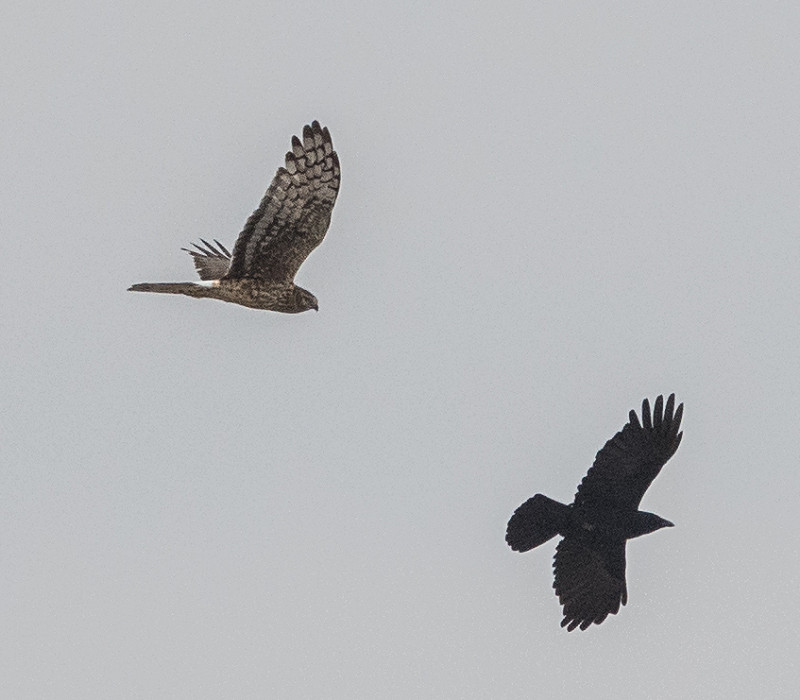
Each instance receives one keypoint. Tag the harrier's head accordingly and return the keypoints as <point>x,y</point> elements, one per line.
<point>304,300</point>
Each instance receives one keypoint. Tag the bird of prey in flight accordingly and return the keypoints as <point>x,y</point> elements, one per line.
<point>590,559</point>
<point>289,223</point>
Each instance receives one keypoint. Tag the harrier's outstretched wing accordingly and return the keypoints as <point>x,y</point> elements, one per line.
<point>629,461</point>
<point>589,583</point>
<point>293,215</point>
<point>211,262</point>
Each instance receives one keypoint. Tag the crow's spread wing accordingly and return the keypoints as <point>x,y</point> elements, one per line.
<point>211,262</point>
<point>589,583</point>
<point>293,215</point>
<point>629,461</point>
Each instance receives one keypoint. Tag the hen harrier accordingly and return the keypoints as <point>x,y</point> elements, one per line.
<point>289,223</point>
<point>590,560</point>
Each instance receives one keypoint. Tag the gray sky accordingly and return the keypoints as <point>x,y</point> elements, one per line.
<point>548,212</point>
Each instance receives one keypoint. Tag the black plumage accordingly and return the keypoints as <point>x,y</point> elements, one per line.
<point>590,559</point>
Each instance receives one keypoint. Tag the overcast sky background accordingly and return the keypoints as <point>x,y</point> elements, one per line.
<point>548,212</point>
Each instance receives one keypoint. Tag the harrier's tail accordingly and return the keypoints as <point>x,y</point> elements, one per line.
<point>535,522</point>
<point>189,288</point>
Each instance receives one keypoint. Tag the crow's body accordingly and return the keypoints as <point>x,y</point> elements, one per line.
<point>590,559</point>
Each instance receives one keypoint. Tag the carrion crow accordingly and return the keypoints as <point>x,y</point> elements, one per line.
<point>590,559</point>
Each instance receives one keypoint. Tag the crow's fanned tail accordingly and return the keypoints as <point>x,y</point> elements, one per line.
<point>536,521</point>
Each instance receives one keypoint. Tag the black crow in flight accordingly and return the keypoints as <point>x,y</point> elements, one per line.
<point>590,561</point>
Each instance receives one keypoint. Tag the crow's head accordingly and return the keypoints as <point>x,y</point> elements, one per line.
<point>645,522</point>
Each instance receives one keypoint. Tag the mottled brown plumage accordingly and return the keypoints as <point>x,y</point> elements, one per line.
<point>290,222</point>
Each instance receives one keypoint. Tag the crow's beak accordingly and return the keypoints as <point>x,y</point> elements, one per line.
<point>667,523</point>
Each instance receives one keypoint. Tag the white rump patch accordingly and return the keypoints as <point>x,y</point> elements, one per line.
<point>208,283</point>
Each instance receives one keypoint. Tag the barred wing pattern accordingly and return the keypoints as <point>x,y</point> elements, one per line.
<point>628,463</point>
<point>294,214</point>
